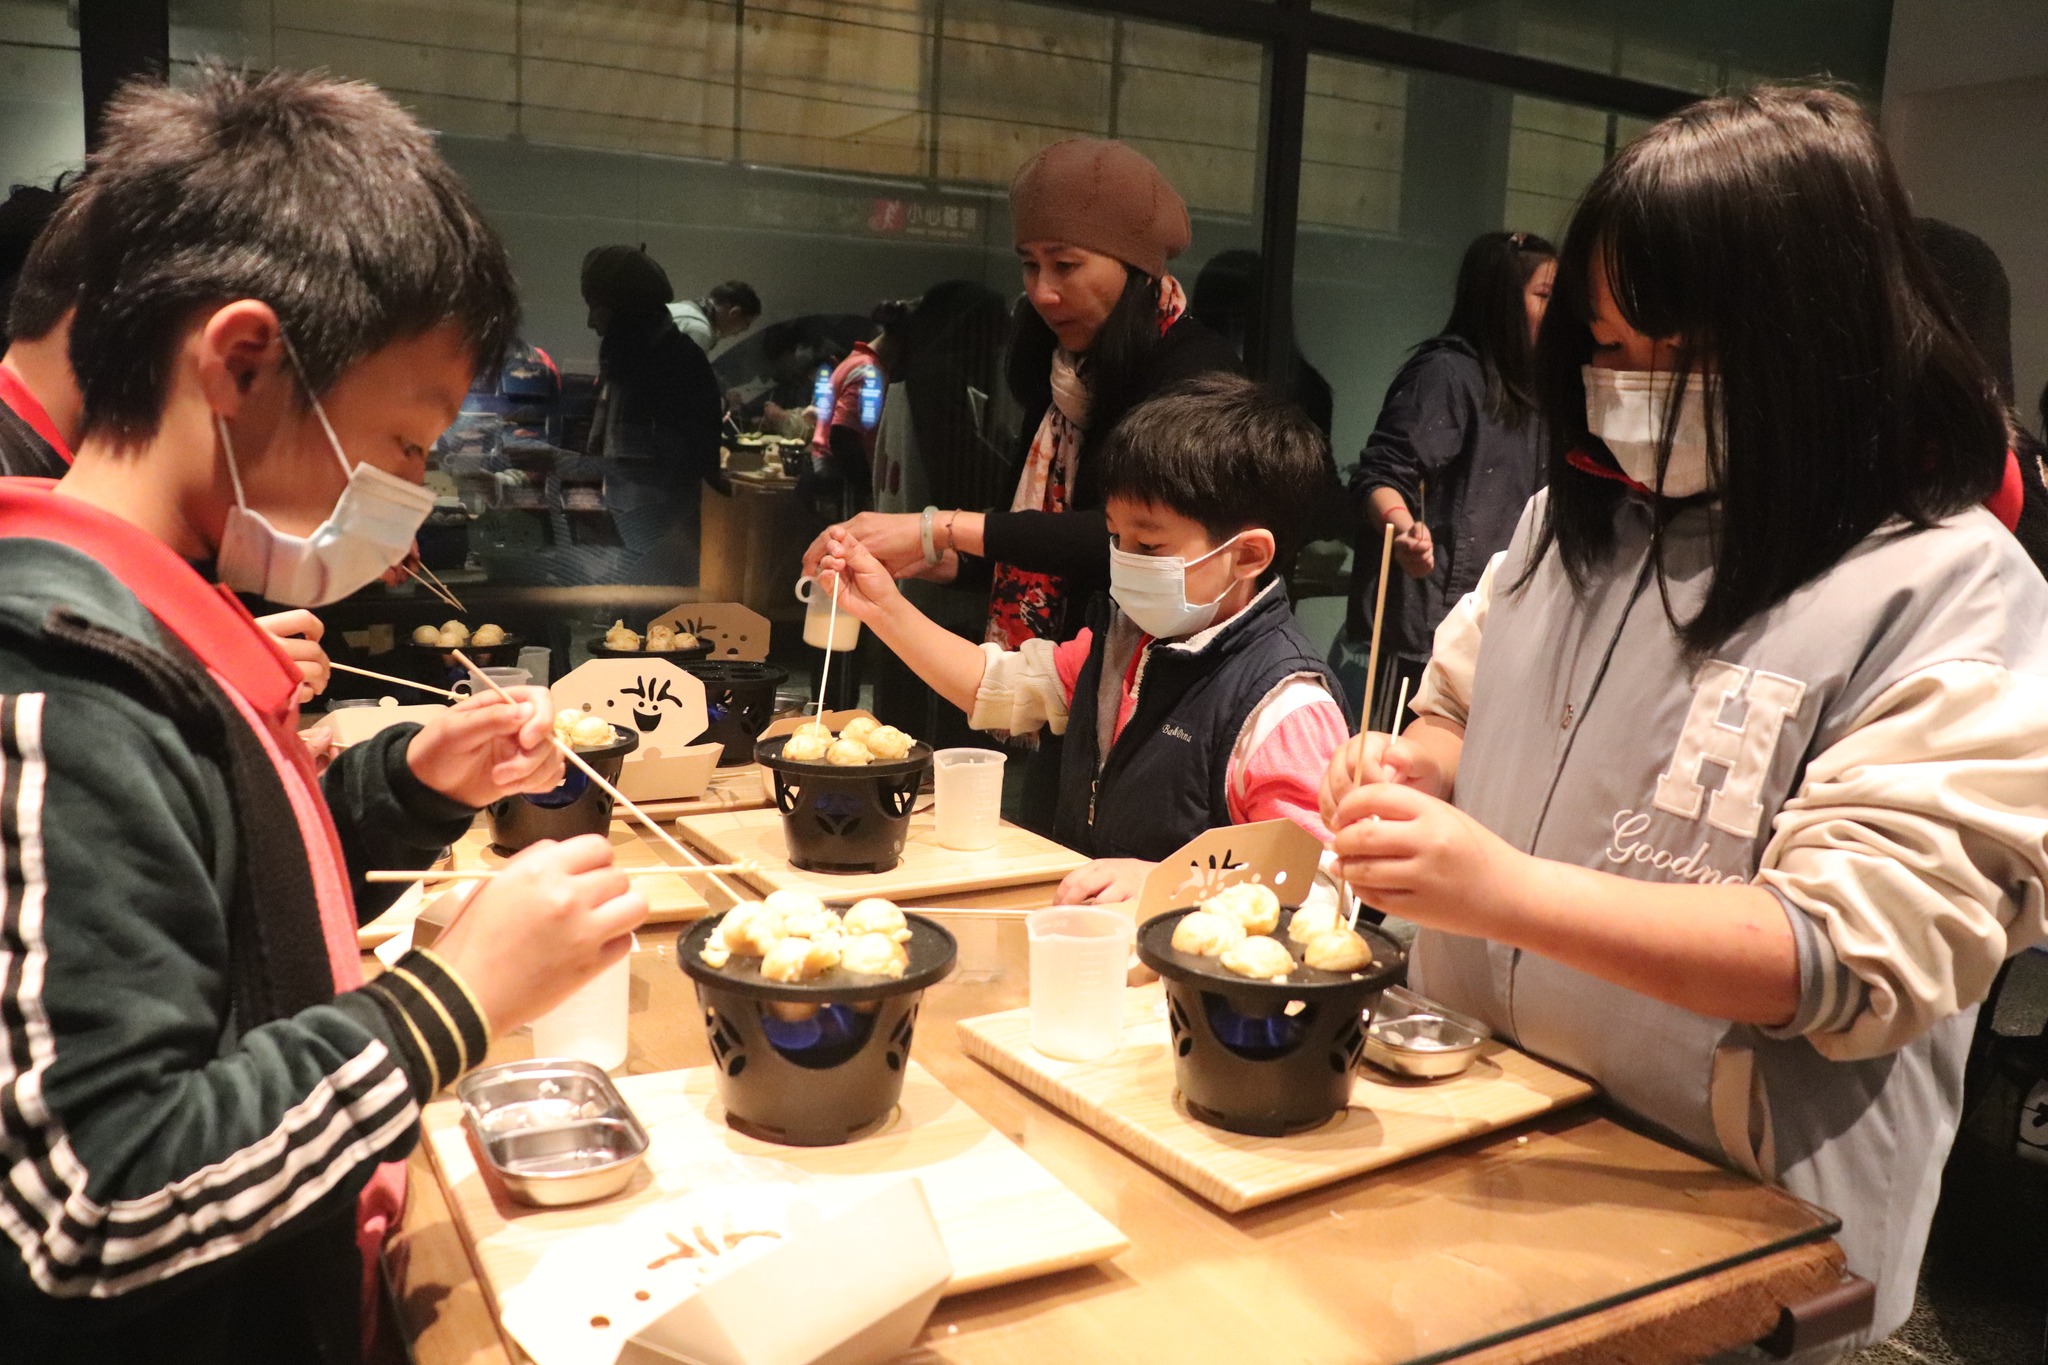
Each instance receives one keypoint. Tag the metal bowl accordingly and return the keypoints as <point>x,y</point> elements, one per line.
<point>1414,1036</point>
<point>555,1131</point>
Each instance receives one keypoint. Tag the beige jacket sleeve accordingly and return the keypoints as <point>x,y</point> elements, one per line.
<point>1918,847</point>
<point>1446,688</point>
<point>1020,690</point>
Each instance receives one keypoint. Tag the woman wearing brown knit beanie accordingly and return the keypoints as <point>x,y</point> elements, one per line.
<point>1101,328</point>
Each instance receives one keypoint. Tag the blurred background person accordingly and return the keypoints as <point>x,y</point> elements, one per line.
<point>728,311</point>
<point>659,415</point>
<point>1456,454</point>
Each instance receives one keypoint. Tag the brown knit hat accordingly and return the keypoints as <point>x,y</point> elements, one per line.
<point>1104,196</point>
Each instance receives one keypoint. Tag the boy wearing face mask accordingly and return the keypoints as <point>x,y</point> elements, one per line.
<point>1191,700</point>
<point>285,294</point>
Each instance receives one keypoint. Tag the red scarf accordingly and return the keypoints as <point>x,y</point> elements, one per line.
<point>2005,504</point>
<point>30,409</point>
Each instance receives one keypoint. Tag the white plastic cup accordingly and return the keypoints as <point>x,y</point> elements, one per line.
<point>1078,964</point>
<point>503,677</point>
<point>821,629</point>
<point>967,797</point>
<point>590,1025</point>
<point>534,659</point>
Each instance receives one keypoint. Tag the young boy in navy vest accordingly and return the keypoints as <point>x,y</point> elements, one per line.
<point>1191,700</point>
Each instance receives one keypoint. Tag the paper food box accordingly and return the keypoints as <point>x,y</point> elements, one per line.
<point>733,631</point>
<point>831,1277</point>
<point>665,705</point>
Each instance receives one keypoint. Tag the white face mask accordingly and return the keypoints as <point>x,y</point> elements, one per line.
<point>1153,591</point>
<point>1625,409</point>
<point>370,529</point>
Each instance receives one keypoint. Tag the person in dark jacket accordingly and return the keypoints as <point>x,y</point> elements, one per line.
<point>1455,456</point>
<point>39,400</point>
<point>1101,328</point>
<point>284,294</point>
<point>660,419</point>
<point>1190,698</point>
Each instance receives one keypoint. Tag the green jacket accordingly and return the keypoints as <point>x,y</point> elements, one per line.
<point>188,1110</point>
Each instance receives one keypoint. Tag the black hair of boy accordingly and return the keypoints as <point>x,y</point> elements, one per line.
<point>319,197</point>
<point>42,295</point>
<point>1224,451</point>
<point>1769,230</point>
<point>737,294</point>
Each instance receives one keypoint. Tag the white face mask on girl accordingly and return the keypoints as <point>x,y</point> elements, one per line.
<point>370,529</point>
<point>1625,409</point>
<point>1153,591</point>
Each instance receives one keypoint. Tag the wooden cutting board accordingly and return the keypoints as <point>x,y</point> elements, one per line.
<point>1019,858</point>
<point>1129,1098</point>
<point>669,899</point>
<point>1003,1216</point>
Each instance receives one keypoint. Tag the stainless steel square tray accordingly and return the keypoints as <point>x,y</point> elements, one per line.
<point>1411,1035</point>
<point>555,1131</point>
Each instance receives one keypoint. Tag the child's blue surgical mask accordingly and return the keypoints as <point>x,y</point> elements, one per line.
<point>1153,591</point>
<point>370,530</point>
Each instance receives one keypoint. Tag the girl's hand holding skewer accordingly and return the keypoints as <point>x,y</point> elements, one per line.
<point>1376,757</point>
<point>1413,855</point>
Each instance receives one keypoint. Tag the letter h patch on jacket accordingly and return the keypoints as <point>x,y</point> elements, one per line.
<point>1744,751</point>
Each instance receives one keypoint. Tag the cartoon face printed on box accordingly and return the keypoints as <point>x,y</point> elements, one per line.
<point>650,695</point>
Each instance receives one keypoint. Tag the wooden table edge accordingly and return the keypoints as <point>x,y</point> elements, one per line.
<point>1724,1311</point>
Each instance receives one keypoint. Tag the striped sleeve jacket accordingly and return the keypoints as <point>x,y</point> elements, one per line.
<point>152,1143</point>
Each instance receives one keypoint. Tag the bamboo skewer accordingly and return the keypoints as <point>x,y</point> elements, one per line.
<point>619,797</point>
<point>454,874</point>
<point>402,682</point>
<point>431,581</point>
<point>1372,659</point>
<point>831,636</point>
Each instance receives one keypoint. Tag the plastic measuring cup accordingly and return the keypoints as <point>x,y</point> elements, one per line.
<point>967,796</point>
<point>590,1025</point>
<point>1079,957</point>
<point>821,629</point>
<point>503,677</point>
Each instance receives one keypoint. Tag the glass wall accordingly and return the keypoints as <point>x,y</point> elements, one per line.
<point>41,105</point>
<point>831,152</point>
<point>1698,47</point>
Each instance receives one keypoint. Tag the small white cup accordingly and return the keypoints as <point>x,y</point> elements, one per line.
<point>534,659</point>
<point>503,677</point>
<point>967,797</point>
<point>590,1025</point>
<point>1078,957</point>
<point>821,629</point>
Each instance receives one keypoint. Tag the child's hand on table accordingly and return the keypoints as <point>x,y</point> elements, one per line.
<point>1410,854</point>
<point>1376,757</point>
<point>866,587</point>
<point>1103,881</point>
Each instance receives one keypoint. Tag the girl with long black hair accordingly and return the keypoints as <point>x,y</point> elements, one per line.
<point>1728,787</point>
<point>1455,456</point>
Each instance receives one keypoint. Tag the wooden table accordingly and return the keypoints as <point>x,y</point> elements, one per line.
<point>1574,1238</point>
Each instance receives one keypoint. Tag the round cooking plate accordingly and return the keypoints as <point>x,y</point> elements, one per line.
<point>1156,950</point>
<point>931,949</point>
